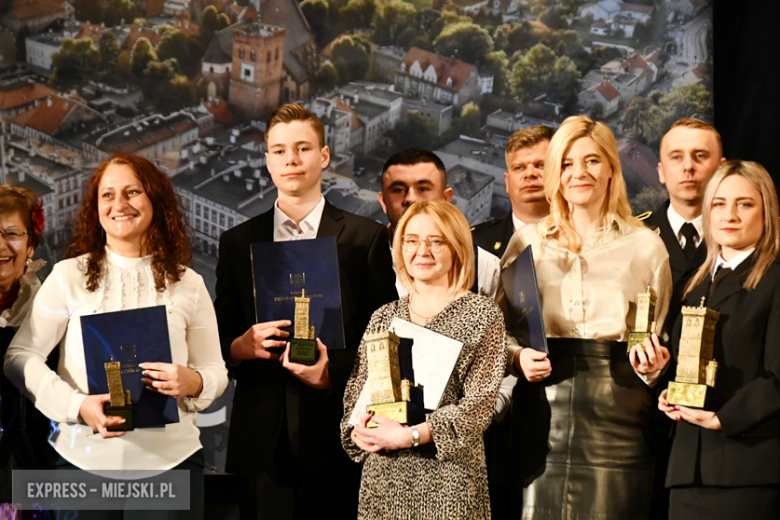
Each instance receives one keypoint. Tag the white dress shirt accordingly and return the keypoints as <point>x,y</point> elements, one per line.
<point>733,263</point>
<point>676,221</point>
<point>55,319</point>
<point>285,228</point>
<point>516,223</point>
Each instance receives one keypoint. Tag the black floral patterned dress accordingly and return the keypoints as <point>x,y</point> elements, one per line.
<point>445,479</point>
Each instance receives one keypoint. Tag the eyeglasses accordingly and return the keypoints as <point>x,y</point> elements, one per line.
<point>13,236</point>
<point>410,243</point>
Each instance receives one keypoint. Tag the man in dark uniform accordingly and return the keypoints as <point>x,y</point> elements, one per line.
<point>691,152</point>
<point>525,152</point>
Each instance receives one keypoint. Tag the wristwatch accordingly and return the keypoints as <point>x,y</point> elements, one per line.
<point>415,436</point>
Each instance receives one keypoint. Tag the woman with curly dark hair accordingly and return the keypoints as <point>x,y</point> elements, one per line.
<point>128,252</point>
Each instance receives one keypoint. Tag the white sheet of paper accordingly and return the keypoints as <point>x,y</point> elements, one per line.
<point>433,360</point>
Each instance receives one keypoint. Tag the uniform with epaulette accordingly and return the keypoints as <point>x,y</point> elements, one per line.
<point>493,235</point>
<point>682,268</point>
<point>682,271</point>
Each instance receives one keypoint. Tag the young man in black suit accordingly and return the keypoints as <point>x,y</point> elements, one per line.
<point>691,152</point>
<point>524,178</point>
<point>284,436</point>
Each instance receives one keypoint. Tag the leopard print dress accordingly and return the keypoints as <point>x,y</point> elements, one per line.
<point>445,479</point>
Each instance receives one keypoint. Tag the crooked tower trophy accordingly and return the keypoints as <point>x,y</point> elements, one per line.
<point>392,397</point>
<point>120,404</point>
<point>696,369</point>
<point>303,348</point>
<point>644,323</point>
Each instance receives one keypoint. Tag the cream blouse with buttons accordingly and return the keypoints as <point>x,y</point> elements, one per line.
<point>55,320</point>
<point>592,294</point>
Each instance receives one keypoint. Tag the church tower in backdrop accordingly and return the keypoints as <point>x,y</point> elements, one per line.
<point>257,69</point>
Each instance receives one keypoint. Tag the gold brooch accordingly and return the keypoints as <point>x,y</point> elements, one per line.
<point>497,246</point>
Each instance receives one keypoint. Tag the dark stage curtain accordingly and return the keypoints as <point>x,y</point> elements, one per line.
<point>746,40</point>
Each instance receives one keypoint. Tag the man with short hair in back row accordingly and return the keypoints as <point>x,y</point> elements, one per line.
<point>525,152</point>
<point>413,175</point>
<point>691,152</point>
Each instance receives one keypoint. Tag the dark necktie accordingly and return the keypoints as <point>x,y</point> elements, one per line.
<point>720,274</point>
<point>689,232</point>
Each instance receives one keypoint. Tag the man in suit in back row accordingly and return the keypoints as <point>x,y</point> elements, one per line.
<point>413,175</point>
<point>524,179</point>
<point>525,152</point>
<point>691,152</point>
<point>284,440</point>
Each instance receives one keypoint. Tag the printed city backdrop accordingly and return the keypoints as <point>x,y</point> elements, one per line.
<point>189,83</point>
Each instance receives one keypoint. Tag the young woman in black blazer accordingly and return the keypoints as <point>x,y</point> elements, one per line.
<point>725,463</point>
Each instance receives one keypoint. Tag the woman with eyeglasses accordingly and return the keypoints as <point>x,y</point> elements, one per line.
<point>435,469</point>
<point>24,429</point>
<point>725,459</point>
<point>129,251</point>
<point>589,405</point>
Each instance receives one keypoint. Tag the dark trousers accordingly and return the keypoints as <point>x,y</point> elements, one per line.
<point>194,464</point>
<point>288,490</point>
<point>725,503</point>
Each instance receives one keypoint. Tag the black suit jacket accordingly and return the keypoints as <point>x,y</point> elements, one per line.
<point>747,388</point>
<point>267,396</point>
<point>682,268</point>
<point>493,236</point>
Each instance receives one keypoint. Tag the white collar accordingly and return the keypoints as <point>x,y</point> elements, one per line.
<point>516,222</point>
<point>311,223</point>
<point>126,262</point>
<point>733,263</point>
<point>676,221</point>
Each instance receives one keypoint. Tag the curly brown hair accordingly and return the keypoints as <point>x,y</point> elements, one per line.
<point>166,239</point>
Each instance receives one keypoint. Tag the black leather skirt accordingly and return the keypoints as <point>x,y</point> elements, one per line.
<point>588,436</point>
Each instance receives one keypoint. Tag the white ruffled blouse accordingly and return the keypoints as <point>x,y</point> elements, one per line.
<point>54,319</point>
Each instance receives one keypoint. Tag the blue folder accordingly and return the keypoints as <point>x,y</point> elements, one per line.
<point>525,321</point>
<point>131,336</point>
<point>282,270</point>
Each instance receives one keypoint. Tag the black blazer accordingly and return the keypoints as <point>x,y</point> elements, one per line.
<point>267,396</point>
<point>747,388</point>
<point>493,236</point>
<point>682,268</point>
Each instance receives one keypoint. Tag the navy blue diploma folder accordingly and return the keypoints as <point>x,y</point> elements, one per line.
<point>283,270</point>
<point>132,336</point>
<point>525,321</point>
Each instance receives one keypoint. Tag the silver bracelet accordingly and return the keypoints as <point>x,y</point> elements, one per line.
<point>415,436</point>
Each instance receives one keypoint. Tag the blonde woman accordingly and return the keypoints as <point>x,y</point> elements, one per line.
<point>589,405</point>
<point>724,461</point>
<point>436,469</point>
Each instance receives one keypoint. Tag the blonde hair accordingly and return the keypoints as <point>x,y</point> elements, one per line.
<point>616,207</point>
<point>455,229</point>
<point>768,246</point>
